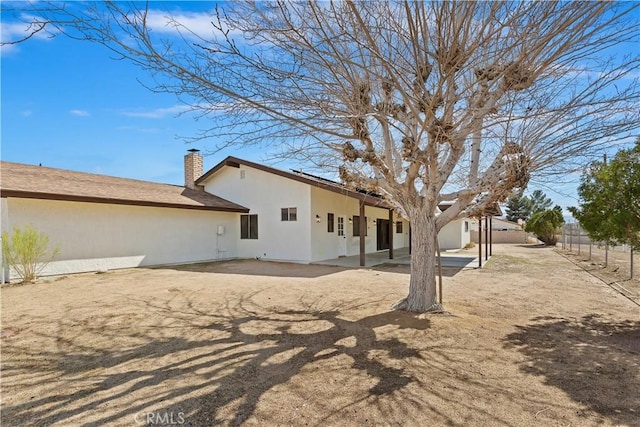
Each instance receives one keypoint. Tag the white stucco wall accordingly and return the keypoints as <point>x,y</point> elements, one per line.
<point>325,244</point>
<point>305,240</point>
<point>265,194</point>
<point>454,236</point>
<point>95,236</point>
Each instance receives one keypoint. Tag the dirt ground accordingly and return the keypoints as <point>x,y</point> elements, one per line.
<point>616,270</point>
<point>532,340</point>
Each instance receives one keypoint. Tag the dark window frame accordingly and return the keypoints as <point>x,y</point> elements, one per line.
<point>330,222</point>
<point>249,226</point>
<point>356,226</point>
<point>399,228</point>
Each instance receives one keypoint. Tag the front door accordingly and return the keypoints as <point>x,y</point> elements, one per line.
<point>382,235</point>
<point>342,237</point>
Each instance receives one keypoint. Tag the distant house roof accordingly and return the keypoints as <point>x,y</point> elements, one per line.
<point>369,198</point>
<point>37,182</point>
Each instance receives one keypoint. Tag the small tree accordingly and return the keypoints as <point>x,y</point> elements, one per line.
<point>610,199</point>
<point>27,251</point>
<point>546,225</point>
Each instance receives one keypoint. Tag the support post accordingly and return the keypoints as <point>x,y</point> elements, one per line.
<point>363,230</point>
<point>391,233</point>
<point>480,241</point>
<point>486,238</point>
<point>490,235</point>
<point>631,262</point>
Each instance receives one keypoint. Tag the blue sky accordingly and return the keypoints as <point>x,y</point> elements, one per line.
<point>68,104</point>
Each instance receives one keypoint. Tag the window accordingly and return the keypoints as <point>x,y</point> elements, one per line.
<point>356,226</point>
<point>248,226</point>
<point>330,223</point>
<point>398,227</point>
<point>466,226</point>
<point>289,214</point>
<point>340,226</point>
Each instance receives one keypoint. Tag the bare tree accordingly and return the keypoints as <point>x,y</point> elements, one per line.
<point>422,102</point>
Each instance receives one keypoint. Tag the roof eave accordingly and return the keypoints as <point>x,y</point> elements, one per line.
<point>92,199</point>
<point>236,162</point>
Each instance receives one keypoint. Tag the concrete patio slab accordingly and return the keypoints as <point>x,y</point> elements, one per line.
<point>401,256</point>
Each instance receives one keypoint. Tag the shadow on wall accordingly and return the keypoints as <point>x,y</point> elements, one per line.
<point>596,361</point>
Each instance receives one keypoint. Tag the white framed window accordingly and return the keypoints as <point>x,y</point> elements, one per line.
<point>289,214</point>
<point>340,226</point>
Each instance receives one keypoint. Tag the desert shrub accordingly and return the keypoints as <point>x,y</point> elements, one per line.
<point>470,245</point>
<point>27,251</point>
<point>546,225</point>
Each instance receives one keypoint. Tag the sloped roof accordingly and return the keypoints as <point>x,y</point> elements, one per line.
<point>368,198</point>
<point>37,182</point>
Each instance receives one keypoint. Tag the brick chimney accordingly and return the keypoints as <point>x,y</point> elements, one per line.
<point>193,168</point>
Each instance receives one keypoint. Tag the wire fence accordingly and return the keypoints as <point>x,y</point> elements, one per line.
<point>619,259</point>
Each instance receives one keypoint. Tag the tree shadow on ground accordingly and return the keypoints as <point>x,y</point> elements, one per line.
<point>596,361</point>
<point>239,352</point>
<point>390,267</point>
<point>254,267</point>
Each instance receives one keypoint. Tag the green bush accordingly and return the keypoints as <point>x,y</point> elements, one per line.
<point>27,252</point>
<point>546,225</point>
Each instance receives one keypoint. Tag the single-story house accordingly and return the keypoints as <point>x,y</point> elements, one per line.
<point>237,209</point>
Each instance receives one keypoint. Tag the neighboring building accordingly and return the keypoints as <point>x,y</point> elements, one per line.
<point>502,231</point>
<point>497,224</point>
<point>238,209</point>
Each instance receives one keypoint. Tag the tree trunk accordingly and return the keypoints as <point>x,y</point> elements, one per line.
<point>422,283</point>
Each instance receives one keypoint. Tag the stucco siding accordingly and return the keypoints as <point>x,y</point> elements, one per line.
<point>265,194</point>
<point>453,235</point>
<point>325,245</point>
<point>96,236</point>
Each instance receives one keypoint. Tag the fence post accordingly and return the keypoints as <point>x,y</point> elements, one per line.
<point>606,254</point>
<point>571,237</point>
<point>589,248</point>
<point>579,239</point>
<point>631,251</point>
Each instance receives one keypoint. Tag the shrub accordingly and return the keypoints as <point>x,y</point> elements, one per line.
<point>546,225</point>
<point>27,252</point>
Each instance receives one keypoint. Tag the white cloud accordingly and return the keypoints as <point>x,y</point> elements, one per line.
<point>79,113</point>
<point>198,24</point>
<point>23,28</point>
<point>158,113</point>
<point>187,24</point>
